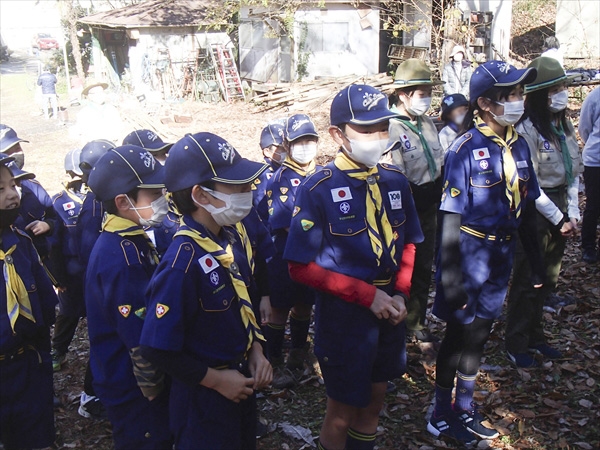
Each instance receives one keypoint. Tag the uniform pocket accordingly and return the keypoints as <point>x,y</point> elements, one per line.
<point>217,303</point>
<point>348,228</point>
<point>397,218</point>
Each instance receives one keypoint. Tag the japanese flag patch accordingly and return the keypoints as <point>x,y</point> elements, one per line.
<point>68,206</point>
<point>295,182</point>
<point>481,153</point>
<point>208,263</point>
<point>125,310</point>
<point>161,310</point>
<point>341,194</point>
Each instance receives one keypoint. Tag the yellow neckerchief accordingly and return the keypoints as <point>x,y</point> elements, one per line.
<point>289,162</point>
<point>72,194</point>
<point>226,259</point>
<point>375,208</point>
<point>508,162</point>
<point>559,132</point>
<point>125,227</point>
<point>17,298</point>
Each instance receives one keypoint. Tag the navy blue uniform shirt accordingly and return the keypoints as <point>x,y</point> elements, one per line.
<point>89,225</point>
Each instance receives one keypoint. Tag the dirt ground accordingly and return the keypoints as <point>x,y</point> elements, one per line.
<point>556,406</point>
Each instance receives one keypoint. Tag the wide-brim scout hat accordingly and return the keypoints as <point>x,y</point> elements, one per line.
<point>146,139</point>
<point>18,174</point>
<point>451,102</point>
<point>123,169</point>
<point>72,161</point>
<point>359,104</point>
<point>272,134</point>
<point>92,85</point>
<point>8,138</point>
<point>202,157</point>
<point>549,73</point>
<point>299,125</point>
<point>92,152</point>
<point>414,72</point>
<point>497,74</point>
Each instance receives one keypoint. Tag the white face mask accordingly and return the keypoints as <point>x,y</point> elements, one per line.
<point>512,113</point>
<point>459,119</point>
<point>458,57</point>
<point>366,152</point>
<point>559,101</point>
<point>419,106</point>
<point>237,207</point>
<point>160,208</point>
<point>304,152</point>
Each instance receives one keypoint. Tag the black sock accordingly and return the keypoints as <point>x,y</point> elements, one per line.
<point>299,330</point>
<point>274,335</point>
<point>359,441</point>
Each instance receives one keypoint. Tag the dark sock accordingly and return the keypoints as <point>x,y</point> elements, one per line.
<point>320,446</point>
<point>88,387</point>
<point>274,335</point>
<point>465,387</point>
<point>299,330</point>
<point>443,400</point>
<point>359,441</point>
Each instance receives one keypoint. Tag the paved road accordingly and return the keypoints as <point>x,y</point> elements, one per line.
<point>21,62</point>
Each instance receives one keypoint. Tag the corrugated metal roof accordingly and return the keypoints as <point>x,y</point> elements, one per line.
<point>157,13</point>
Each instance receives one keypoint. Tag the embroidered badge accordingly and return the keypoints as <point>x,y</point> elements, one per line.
<point>341,194</point>
<point>395,199</point>
<point>283,198</point>
<point>270,211</point>
<point>257,181</point>
<point>208,263</point>
<point>481,153</point>
<point>284,190</point>
<point>161,310</point>
<point>125,310</point>
<point>148,160</point>
<point>141,313</point>
<point>454,192</point>
<point>295,182</point>
<point>522,164</point>
<point>269,202</point>
<point>227,152</point>
<point>68,206</point>
<point>484,164</point>
<point>214,278</point>
<point>345,207</point>
<point>296,211</point>
<point>306,224</point>
<point>269,175</point>
<point>269,193</point>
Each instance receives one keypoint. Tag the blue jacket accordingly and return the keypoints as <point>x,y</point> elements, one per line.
<point>48,82</point>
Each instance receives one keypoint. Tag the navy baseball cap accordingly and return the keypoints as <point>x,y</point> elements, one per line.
<point>359,104</point>
<point>147,139</point>
<point>498,74</point>
<point>92,152</point>
<point>451,102</point>
<point>201,157</point>
<point>272,134</point>
<point>18,174</point>
<point>8,138</point>
<point>299,125</point>
<point>72,160</point>
<point>123,169</point>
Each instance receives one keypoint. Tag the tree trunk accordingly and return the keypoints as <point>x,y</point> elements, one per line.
<point>71,19</point>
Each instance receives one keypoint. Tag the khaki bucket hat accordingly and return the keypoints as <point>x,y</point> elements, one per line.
<point>414,72</point>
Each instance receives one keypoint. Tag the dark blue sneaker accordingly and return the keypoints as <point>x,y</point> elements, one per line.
<point>450,426</point>
<point>522,360</point>
<point>472,421</point>
<point>546,351</point>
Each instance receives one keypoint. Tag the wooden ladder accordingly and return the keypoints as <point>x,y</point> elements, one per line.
<point>229,78</point>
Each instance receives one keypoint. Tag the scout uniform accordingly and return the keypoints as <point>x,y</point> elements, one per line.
<point>557,163</point>
<point>420,156</point>
<point>26,315</point>
<point>120,267</point>
<point>199,310</point>
<point>272,134</point>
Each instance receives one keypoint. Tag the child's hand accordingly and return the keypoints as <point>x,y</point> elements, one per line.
<point>229,383</point>
<point>265,310</point>
<point>400,305</point>
<point>38,227</point>
<point>259,366</point>
<point>383,306</point>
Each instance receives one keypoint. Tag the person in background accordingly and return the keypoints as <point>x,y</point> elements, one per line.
<point>271,144</point>
<point>27,302</point>
<point>97,119</point>
<point>557,163</point>
<point>151,142</point>
<point>552,50</point>
<point>419,155</point>
<point>589,130</point>
<point>457,73</point>
<point>454,110</point>
<point>48,82</point>
<point>488,197</point>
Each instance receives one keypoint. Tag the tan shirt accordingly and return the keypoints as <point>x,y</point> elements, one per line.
<point>409,156</point>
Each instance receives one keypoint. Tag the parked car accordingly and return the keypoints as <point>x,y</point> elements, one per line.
<point>43,41</point>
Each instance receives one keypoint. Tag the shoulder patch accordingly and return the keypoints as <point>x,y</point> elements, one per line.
<point>57,196</point>
<point>130,252</point>
<point>460,141</point>
<point>184,257</point>
<point>313,180</point>
<point>391,167</point>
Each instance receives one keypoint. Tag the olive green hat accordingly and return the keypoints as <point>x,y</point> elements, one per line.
<point>549,73</point>
<point>414,72</point>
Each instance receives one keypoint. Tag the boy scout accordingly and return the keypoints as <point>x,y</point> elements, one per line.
<point>200,327</point>
<point>149,140</point>
<point>271,144</point>
<point>419,154</point>
<point>352,239</point>
<point>130,183</point>
<point>301,143</point>
<point>27,302</point>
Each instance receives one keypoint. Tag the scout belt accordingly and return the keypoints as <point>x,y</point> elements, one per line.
<point>499,237</point>
<point>18,353</point>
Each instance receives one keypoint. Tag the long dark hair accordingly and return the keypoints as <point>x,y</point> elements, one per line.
<point>495,93</point>
<point>536,110</point>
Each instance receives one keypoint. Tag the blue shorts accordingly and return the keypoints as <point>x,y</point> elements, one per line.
<point>355,349</point>
<point>141,424</point>
<point>201,418</point>
<point>486,268</point>
<point>285,293</point>
<point>26,406</point>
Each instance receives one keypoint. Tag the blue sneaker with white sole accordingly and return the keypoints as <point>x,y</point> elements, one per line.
<point>450,426</point>
<point>546,351</point>
<point>473,422</point>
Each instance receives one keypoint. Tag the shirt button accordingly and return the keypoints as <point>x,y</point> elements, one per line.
<point>349,230</point>
<point>487,181</point>
<point>127,243</point>
<point>395,222</point>
<point>147,435</point>
<point>187,247</point>
<point>240,366</point>
<point>326,359</point>
<point>225,302</point>
<point>33,287</point>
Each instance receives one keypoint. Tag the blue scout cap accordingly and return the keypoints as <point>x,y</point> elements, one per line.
<point>123,169</point>
<point>72,160</point>
<point>18,174</point>
<point>451,102</point>
<point>147,139</point>
<point>201,157</point>
<point>499,74</point>
<point>299,125</point>
<point>272,134</point>
<point>8,138</point>
<point>91,153</point>
<point>360,104</point>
